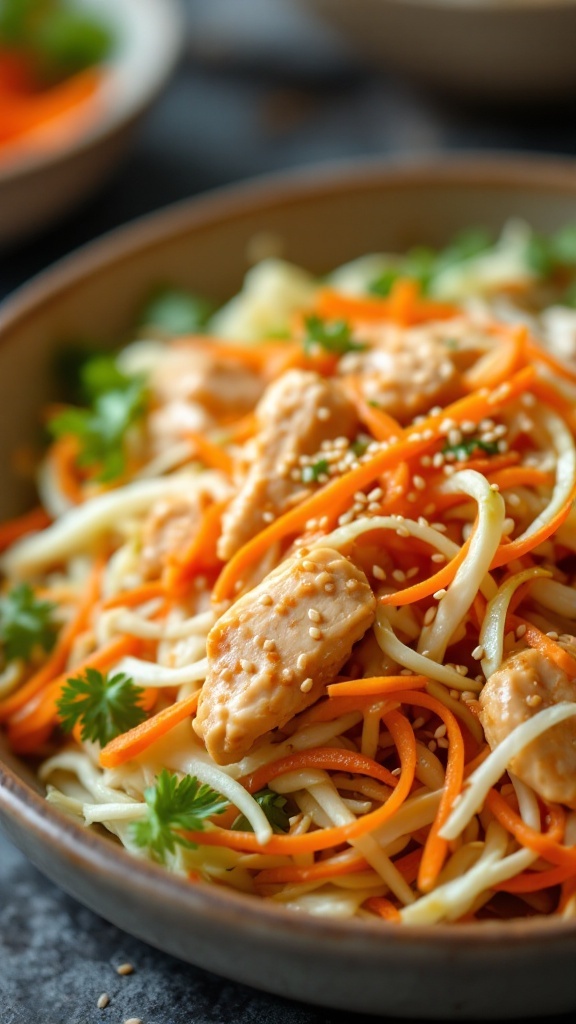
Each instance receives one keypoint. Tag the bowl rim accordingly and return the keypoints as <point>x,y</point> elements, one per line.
<point>465,8</point>
<point>113,118</point>
<point>20,802</point>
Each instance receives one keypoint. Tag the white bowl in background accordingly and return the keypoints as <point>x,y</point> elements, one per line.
<point>512,50</point>
<point>38,185</point>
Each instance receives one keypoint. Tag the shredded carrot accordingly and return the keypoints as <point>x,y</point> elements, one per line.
<point>383,908</point>
<point>139,595</point>
<point>520,476</point>
<point>500,362</point>
<point>211,454</point>
<point>535,881</point>
<point>334,496</point>
<point>548,647</point>
<point>63,455</point>
<point>329,758</point>
<point>515,548</point>
<point>385,686</point>
<point>132,743</point>
<point>323,869</point>
<point>438,581</point>
<point>380,424</point>
<point>541,355</point>
<point>323,839</point>
<point>201,553</point>
<point>51,114</point>
<point>30,522</point>
<point>547,844</point>
<point>404,306</point>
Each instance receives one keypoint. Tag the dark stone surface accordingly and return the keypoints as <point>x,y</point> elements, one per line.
<point>257,97</point>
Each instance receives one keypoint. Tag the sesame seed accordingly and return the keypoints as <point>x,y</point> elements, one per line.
<point>432,746</point>
<point>323,413</point>
<point>552,634</point>
<point>287,674</point>
<point>411,573</point>
<point>533,700</point>
<point>133,1020</point>
<point>306,685</point>
<point>425,654</point>
<point>419,482</point>
<point>478,653</point>
<point>440,594</point>
<point>314,615</point>
<point>269,645</point>
<point>462,670</point>
<point>422,521</point>
<point>103,1001</point>
<point>268,517</point>
<point>124,969</point>
<point>375,494</point>
<point>438,557</point>
<point>374,506</point>
<point>494,487</point>
<point>520,631</point>
<point>399,576</point>
<point>315,633</point>
<point>403,532</point>
<point>329,588</point>
<point>443,743</point>
<point>246,666</point>
<point>439,527</point>
<point>429,616</point>
<point>301,663</point>
<point>351,585</point>
<point>378,572</point>
<point>440,731</point>
<point>308,566</point>
<point>266,600</point>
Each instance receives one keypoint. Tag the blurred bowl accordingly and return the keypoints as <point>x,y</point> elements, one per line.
<point>486,49</point>
<point>38,185</point>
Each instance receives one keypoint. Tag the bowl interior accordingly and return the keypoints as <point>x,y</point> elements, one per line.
<point>318,222</point>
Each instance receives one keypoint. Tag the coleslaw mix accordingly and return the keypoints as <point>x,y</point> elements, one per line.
<point>295,612</point>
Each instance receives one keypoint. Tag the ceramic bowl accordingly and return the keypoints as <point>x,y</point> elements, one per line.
<point>511,50</point>
<point>38,186</point>
<point>489,970</point>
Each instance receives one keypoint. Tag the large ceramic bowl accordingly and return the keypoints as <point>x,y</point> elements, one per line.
<point>495,970</point>
<point>518,50</point>
<point>38,185</point>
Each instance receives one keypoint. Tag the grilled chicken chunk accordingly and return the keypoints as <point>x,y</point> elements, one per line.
<point>526,683</point>
<point>193,373</point>
<point>169,526</point>
<point>406,373</point>
<point>296,414</point>
<point>273,652</point>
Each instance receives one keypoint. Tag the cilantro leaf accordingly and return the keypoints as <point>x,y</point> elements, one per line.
<point>313,473</point>
<point>175,311</point>
<point>546,254</point>
<point>423,264</point>
<point>117,403</point>
<point>57,39</point>
<point>334,337</point>
<point>383,284</point>
<point>273,805</point>
<point>175,806</point>
<point>105,706</point>
<point>464,449</point>
<point>25,623</point>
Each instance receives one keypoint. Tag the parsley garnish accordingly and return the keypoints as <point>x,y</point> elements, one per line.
<point>117,403</point>
<point>313,473</point>
<point>334,336</point>
<point>105,706</point>
<point>273,805</point>
<point>464,449</point>
<point>25,623</point>
<point>174,807</point>
<point>424,264</point>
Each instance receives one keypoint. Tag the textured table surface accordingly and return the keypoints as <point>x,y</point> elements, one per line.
<point>266,93</point>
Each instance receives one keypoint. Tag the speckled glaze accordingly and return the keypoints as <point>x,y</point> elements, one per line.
<point>320,219</point>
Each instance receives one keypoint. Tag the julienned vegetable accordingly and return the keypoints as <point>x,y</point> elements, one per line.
<point>302,602</point>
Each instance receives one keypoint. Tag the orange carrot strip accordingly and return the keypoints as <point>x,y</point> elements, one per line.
<point>63,455</point>
<point>542,355</point>
<point>130,744</point>
<point>376,686</point>
<point>544,844</point>
<point>548,647</point>
<point>404,306</point>
<point>201,552</point>
<point>534,881</point>
<point>59,656</point>
<point>522,545</point>
<point>334,496</point>
<point>139,595</point>
<point>314,872</point>
<point>429,586</point>
<point>42,709</point>
<point>383,908</point>
<point>42,110</point>
<point>325,838</point>
<point>330,758</point>
<point>520,476</point>
<point>211,454</point>
<point>381,425</point>
<point>435,848</point>
<point>500,362</point>
<point>30,522</point>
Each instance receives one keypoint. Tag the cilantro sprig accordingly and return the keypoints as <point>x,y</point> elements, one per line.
<point>273,805</point>
<point>175,806</point>
<point>105,706</point>
<point>117,403</point>
<point>423,264</point>
<point>465,449</point>
<point>334,336</point>
<point>26,622</point>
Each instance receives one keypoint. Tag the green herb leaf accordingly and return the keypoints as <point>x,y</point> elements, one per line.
<point>118,402</point>
<point>25,623</point>
<point>334,336</point>
<point>273,805</point>
<point>360,445</point>
<point>313,473</point>
<point>465,449</point>
<point>57,39</point>
<point>105,706</point>
<point>569,296</point>
<point>175,311</point>
<point>175,806</point>
<point>423,264</point>
<point>382,286</point>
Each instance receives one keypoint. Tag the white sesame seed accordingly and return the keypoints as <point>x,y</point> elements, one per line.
<point>462,670</point>
<point>432,746</point>
<point>269,645</point>
<point>103,1001</point>
<point>438,557</point>
<point>429,616</point>
<point>399,576</point>
<point>439,527</point>
<point>265,599</point>
<point>403,532</point>
<point>246,666</point>
<point>552,634</point>
<point>315,633</point>
<point>478,653</point>
<point>533,700</point>
<point>425,654</point>
<point>307,685</point>
<point>308,566</point>
<point>375,494</point>
<point>440,594</point>
<point>268,517</point>
<point>124,969</point>
<point>378,572</point>
<point>419,482</point>
<point>301,662</point>
<point>411,573</point>
<point>329,588</point>
<point>440,731</point>
<point>314,615</point>
<point>323,413</point>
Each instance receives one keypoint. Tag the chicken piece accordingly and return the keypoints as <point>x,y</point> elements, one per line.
<point>193,373</point>
<point>273,652</point>
<point>526,683</point>
<point>169,526</point>
<point>296,414</point>
<point>407,372</point>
